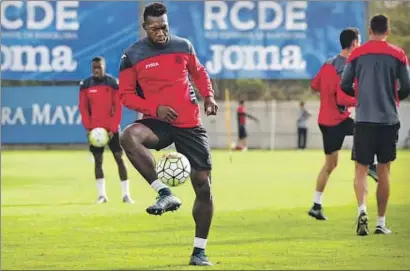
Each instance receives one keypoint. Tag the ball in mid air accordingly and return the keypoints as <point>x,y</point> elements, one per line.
<point>173,169</point>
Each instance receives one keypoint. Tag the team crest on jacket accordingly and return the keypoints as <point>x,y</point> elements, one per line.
<point>178,59</point>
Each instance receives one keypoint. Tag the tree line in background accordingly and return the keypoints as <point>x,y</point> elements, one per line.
<point>259,89</point>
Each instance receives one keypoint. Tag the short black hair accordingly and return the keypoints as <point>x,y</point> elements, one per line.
<point>379,24</point>
<point>154,10</point>
<point>241,102</point>
<point>302,103</point>
<point>99,59</point>
<point>347,36</point>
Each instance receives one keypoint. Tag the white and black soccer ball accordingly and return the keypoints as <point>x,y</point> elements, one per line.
<point>173,169</point>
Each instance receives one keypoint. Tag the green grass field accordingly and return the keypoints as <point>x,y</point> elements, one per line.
<point>49,220</point>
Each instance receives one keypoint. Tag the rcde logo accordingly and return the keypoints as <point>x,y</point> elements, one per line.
<point>225,23</point>
<point>39,16</point>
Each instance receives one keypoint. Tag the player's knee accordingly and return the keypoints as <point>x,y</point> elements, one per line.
<point>125,137</point>
<point>98,160</point>
<point>129,137</point>
<point>331,164</point>
<point>202,185</point>
<point>360,183</point>
<point>118,158</point>
<point>203,191</point>
<point>134,134</point>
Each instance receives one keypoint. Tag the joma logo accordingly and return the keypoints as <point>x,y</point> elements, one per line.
<point>151,65</point>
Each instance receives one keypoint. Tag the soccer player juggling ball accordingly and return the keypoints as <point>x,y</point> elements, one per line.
<point>100,107</point>
<point>154,80</point>
<point>377,67</point>
<point>334,116</point>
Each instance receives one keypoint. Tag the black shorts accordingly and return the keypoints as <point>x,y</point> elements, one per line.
<point>114,145</point>
<point>375,139</point>
<point>191,142</point>
<point>242,132</point>
<point>333,136</point>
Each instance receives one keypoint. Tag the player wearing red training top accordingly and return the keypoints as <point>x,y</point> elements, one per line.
<point>375,68</point>
<point>100,107</point>
<point>242,133</point>
<point>334,117</point>
<point>154,80</point>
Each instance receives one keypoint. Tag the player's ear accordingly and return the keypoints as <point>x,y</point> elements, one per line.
<point>370,31</point>
<point>388,32</point>
<point>144,26</point>
<point>354,44</point>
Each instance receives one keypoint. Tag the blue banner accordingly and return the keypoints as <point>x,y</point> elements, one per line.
<point>56,40</point>
<point>265,39</point>
<point>44,115</point>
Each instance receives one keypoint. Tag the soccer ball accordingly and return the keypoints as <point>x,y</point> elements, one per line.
<point>173,169</point>
<point>98,137</point>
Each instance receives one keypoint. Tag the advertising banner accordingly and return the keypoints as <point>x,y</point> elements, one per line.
<point>56,40</point>
<point>265,39</point>
<point>45,115</point>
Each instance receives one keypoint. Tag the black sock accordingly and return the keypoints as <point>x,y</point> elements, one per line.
<point>317,206</point>
<point>197,251</point>
<point>164,192</point>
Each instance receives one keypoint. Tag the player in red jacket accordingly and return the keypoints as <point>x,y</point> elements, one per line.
<point>334,120</point>
<point>100,107</point>
<point>242,132</point>
<point>154,80</point>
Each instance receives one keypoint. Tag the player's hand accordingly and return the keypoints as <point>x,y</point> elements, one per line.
<point>166,113</point>
<point>211,107</point>
<point>110,134</point>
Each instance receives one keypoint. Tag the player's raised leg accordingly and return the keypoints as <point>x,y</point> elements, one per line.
<point>136,141</point>
<point>117,152</point>
<point>99,173</point>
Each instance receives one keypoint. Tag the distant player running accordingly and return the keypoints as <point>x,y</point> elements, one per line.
<point>242,132</point>
<point>334,117</point>
<point>376,68</point>
<point>154,80</point>
<point>100,107</point>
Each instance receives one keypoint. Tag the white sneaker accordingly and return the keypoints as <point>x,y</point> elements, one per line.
<point>102,199</point>
<point>127,199</point>
<point>382,230</point>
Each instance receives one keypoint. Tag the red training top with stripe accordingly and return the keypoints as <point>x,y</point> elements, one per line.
<point>333,101</point>
<point>241,113</point>
<point>153,75</point>
<point>100,104</point>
